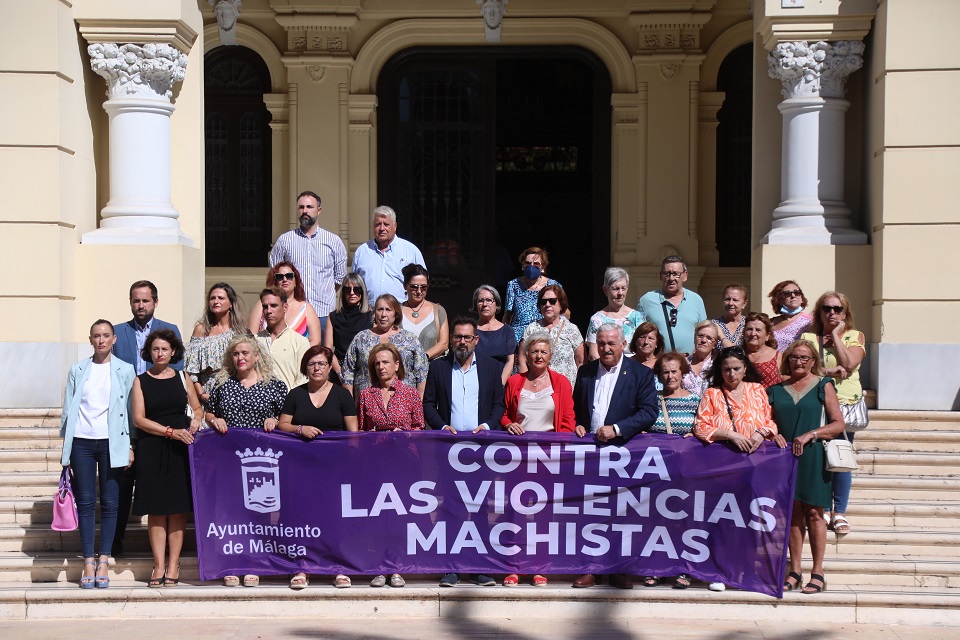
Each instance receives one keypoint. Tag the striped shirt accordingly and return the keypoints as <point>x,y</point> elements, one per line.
<point>321,260</point>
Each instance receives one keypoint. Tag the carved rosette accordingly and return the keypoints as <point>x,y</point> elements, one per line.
<point>819,69</point>
<point>131,70</point>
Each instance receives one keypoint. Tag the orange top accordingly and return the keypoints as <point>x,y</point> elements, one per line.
<point>750,415</point>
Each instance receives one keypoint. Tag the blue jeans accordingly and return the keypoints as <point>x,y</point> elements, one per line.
<point>841,485</point>
<point>85,456</point>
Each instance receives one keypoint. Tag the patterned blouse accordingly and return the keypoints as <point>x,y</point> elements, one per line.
<point>697,383</point>
<point>790,333</point>
<point>682,412</point>
<point>566,338</point>
<point>750,415</point>
<point>203,357</point>
<point>247,408</point>
<point>404,409</point>
<point>629,324</point>
<point>736,337</point>
<point>523,303</point>
<point>415,363</point>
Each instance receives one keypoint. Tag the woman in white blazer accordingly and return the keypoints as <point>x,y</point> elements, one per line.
<point>95,428</point>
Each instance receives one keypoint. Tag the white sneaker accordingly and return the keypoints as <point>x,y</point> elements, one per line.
<point>717,586</point>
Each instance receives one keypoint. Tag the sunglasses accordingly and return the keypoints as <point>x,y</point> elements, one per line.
<point>418,287</point>
<point>352,289</point>
<point>546,301</point>
<point>826,308</point>
<point>673,317</point>
<point>280,277</point>
<point>794,293</point>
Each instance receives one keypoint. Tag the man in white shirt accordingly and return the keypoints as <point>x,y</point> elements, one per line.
<point>285,345</point>
<point>381,259</point>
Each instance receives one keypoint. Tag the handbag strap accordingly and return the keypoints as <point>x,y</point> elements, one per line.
<point>183,379</point>
<point>729,408</point>
<point>666,415</point>
<point>666,321</point>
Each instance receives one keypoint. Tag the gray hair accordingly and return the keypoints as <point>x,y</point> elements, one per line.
<point>383,211</point>
<point>615,274</point>
<point>673,260</point>
<point>536,338</point>
<point>489,289</point>
<point>611,326</point>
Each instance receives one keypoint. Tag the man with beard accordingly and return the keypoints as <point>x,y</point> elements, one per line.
<point>381,259</point>
<point>464,394</point>
<point>675,310</point>
<point>318,255</point>
<point>131,336</point>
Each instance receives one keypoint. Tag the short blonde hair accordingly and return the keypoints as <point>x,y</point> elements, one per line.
<point>796,344</point>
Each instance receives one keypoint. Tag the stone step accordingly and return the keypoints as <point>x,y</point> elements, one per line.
<point>876,487</point>
<point>896,440</point>
<point>28,484</point>
<point>843,604</point>
<point>30,438</point>
<point>864,539</point>
<point>33,538</point>
<point>909,464</point>
<point>913,421</point>
<point>30,418</point>
<point>15,461</point>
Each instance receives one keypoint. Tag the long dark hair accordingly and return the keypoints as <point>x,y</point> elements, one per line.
<point>716,371</point>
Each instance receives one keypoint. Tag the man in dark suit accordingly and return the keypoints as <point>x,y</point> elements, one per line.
<point>614,399</point>
<point>131,336</point>
<point>464,394</point>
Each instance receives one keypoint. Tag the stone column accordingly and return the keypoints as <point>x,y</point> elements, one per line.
<point>814,77</point>
<point>140,80</point>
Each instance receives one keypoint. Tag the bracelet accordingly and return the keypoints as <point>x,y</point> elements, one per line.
<point>168,433</point>
<point>300,430</point>
<point>815,438</point>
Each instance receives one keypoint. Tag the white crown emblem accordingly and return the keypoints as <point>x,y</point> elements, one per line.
<point>261,479</point>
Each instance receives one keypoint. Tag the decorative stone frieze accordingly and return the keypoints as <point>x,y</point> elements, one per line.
<point>316,32</point>
<point>668,31</point>
<point>132,70</point>
<point>226,12</point>
<point>815,69</point>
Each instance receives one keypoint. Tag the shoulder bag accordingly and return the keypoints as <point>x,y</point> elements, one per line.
<point>855,417</point>
<point>666,415</point>
<point>188,410</point>
<point>64,506</point>
<point>839,455</point>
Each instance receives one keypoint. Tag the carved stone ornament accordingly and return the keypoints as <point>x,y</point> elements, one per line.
<point>819,69</point>
<point>316,72</point>
<point>131,70</point>
<point>669,71</point>
<point>227,12</point>
<point>492,12</point>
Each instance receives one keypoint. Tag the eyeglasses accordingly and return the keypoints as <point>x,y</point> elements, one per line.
<point>800,359</point>
<point>418,287</point>
<point>826,308</point>
<point>726,351</point>
<point>457,338</point>
<point>536,263</point>
<point>546,301</point>
<point>673,317</point>
<point>318,365</point>
<point>358,290</point>
<point>485,301</point>
<point>671,274</point>
<point>793,293</point>
<point>705,337</point>
<point>280,277</point>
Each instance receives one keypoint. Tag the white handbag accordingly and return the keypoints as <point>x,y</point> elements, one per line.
<point>840,455</point>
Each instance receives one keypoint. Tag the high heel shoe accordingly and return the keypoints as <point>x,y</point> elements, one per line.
<point>156,583</point>
<point>103,581</point>
<point>88,582</point>
<point>172,582</point>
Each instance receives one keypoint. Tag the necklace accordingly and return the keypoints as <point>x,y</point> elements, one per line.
<point>416,312</point>
<point>539,379</point>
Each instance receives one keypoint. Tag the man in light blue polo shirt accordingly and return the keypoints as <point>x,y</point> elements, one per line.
<point>675,310</point>
<point>381,259</point>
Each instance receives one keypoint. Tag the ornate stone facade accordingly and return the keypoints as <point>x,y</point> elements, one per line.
<point>817,69</point>
<point>132,70</point>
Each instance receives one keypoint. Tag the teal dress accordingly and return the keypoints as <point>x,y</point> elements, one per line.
<point>796,414</point>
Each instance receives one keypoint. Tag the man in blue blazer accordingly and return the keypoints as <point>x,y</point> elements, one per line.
<point>131,336</point>
<point>614,399</point>
<point>468,396</point>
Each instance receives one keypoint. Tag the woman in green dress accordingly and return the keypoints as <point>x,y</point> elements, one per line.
<point>805,409</point>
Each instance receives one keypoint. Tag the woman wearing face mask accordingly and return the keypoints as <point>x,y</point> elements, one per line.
<point>731,322</point>
<point>616,283</point>
<point>387,318</point>
<point>522,304</point>
<point>790,304</point>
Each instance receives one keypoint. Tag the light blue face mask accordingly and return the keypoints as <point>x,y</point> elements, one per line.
<point>789,312</point>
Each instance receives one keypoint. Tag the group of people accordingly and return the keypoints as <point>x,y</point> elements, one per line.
<point>365,350</point>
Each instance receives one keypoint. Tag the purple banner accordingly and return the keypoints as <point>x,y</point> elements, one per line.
<point>433,502</point>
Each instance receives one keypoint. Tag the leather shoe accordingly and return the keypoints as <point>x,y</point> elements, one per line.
<point>586,580</point>
<point>621,581</point>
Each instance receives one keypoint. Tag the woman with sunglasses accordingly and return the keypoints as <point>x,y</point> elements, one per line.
<point>798,404</point>
<point>841,349</point>
<point>789,303</point>
<point>424,319</point>
<point>301,316</point>
<point>351,316</point>
<point>523,306</point>
<point>568,347</point>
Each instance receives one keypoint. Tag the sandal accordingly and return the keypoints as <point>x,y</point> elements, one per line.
<point>87,582</point>
<point>157,582</point>
<point>103,581</point>
<point>251,581</point>
<point>839,524</point>
<point>299,581</point>
<point>539,581</point>
<point>341,581</point>
<point>172,582</point>
<point>788,586</point>
<point>231,581</point>
<point>649,581</point>
<point>511,580</point>
<point>815,588</point>
<point>682,581</point>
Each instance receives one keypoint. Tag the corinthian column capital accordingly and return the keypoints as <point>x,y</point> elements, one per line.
<point>135,71</point>
<point>818,69</point>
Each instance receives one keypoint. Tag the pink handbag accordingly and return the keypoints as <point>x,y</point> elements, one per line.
<point>64,506</point>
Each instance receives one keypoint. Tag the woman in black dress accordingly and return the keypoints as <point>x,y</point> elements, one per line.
<point>160,399</point>
<point>352,315</point>
<point>313,408</point>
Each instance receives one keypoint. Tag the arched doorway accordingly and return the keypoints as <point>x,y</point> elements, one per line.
<point>238,172</point>
<point>735,158</point>
<point>484,152</point>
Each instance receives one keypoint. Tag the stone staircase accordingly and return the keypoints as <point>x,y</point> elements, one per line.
<point>899,565</point>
